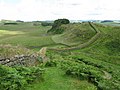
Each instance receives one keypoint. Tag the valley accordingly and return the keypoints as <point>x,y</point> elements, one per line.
<point>78,56</point>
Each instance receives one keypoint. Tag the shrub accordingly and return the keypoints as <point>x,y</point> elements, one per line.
<point>11,23</point>
<point>90,73</point>
<point>56,26</point>
<point>46,24</point>
<point>15,78</point>
<point>114,45</point>
<point>51,64</point>
<point>61,21</point>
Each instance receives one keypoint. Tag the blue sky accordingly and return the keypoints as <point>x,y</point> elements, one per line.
<point>53,9</point>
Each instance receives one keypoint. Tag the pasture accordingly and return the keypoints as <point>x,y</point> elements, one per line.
<point>94,67</point>
<point>25,34</point>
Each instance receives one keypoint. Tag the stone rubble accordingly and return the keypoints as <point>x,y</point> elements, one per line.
<point>26,60</point>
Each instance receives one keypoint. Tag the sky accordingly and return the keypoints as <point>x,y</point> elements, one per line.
<point>31,10</point>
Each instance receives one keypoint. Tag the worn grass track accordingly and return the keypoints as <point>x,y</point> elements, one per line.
<point>55,79</point>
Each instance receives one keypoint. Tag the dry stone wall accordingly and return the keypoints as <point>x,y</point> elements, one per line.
<point>26,60</point>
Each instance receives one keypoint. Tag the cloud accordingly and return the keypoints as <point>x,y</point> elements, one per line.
<point>53,9</point>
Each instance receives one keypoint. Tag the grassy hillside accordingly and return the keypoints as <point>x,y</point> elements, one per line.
<point>28,35</point>
<point>25,34</point>
<point>60,81</point>
<point>75,34</point>
<point>104,54</point>
<point>10,51</point>
<point>99,63</point>
<point>111,23</point>
<point>96,66</point>
<point>108,45</point>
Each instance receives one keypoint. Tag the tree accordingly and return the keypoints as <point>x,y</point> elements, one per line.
<point>61,21</point>
<point>56,26</point>
<point>46,24</point>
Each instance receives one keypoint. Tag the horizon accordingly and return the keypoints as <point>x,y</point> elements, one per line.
<point>58,18</point>
<point>36,10</point>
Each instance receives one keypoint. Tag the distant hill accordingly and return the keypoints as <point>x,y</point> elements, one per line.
<point>106,21</point>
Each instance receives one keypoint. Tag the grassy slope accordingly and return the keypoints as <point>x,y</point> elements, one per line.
<point>55,79</point>
<point>104,52</point>
<point>75,34</point>
<point>99,53</point>
<point>111,23</point>
<point>25,34</point>
<point>10,51</point>
<point>107,47</point>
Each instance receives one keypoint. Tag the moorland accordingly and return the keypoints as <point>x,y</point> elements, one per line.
<point>78,56</point>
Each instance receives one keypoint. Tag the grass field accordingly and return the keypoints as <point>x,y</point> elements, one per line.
<point>100,60</point>
<point>60,81</point>
<point>75,34</point>
<point>94,67</point>
<point>25,34</point>
<point>111,23</point>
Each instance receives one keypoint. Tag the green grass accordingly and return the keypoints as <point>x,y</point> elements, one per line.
<point>16,78</point>
<point>102,55</point>
<point>55,79</point>
<point>75,34</point>
<point>25,34</point>
<point>104,74</point>
<point>106,48</point>
<point>27,41</point>
<point>111,23</point>
<point>4,32</point>
<point>10,51</point>
<point>100,60</point>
